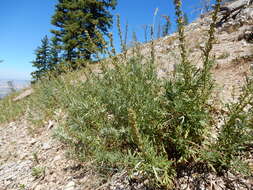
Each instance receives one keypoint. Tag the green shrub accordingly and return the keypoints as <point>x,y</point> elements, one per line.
<point>118,116</point>
<point>127,118</point>
<point>10,110</point>
<point>189,118</point>
<point>235,139</point>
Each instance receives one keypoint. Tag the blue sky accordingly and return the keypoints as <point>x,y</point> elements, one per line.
<point>23,23</point>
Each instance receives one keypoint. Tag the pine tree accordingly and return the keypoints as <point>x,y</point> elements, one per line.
<point>41,61</point>
<point>54,58</point>
<point>79,23</point>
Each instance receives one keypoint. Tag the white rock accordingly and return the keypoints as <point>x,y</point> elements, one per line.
<point>46,146</point>
<point>50,125</point>
<point>58,157</point>
<point>248,13</point>
<point>70,186</point>
<point>12,124</point>
<point>32,142</point>
<point>39,187</point>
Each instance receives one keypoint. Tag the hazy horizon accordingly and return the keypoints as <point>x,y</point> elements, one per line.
<point>18,85</point>
<point>14,79</point>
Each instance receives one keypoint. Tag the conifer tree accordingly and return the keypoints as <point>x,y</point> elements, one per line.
<point>79,22</point>
<point>41,61</point>
<point>54,58</point>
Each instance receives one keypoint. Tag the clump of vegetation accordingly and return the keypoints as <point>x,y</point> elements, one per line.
<point>10,110</point>
<point>234,142</point>
<point>122,116</point>
<point>38,172</point>
<point>223,55</point>
<point>116,118</point>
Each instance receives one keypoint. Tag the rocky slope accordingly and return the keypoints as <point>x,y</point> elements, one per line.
<point>31,159</point>
<point>233,50</point>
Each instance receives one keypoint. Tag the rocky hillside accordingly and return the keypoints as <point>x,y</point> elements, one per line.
<point>232,49</point>
<point>31,159</point>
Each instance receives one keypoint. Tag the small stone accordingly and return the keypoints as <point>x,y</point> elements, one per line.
<point>12,124</point>
<point>50,125</point>
<point>46,146</point>
<point>39,187</point>
<point>230,175</point>
<point>58,157</point>
<point>54,178</point>
<point>24,155</point>
<point>32,142</point>
<point>70,186</point>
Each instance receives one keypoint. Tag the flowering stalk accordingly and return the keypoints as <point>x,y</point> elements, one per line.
<point>183,53</point>
<point>209,44</point>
